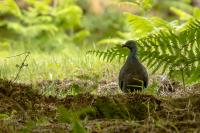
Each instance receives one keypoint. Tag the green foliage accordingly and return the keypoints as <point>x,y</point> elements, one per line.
<point>3,116</point>
<point>173,52</point>
<point>143,5</point>
<point>73,117</point>
<point>152,89</point>
<point>30,125</point>
<point>40,24</point>
<point>164,47</point>
<point>111,53</point>
<point>105,24</point>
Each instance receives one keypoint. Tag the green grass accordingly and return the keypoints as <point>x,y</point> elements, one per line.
<point>84,72</point>
<point>67,63</point>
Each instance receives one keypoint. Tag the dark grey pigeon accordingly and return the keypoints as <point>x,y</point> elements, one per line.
<point>133,75</point>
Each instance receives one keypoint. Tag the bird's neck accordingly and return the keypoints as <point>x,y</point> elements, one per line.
<point>133,55</point>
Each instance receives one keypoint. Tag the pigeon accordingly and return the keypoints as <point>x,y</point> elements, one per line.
<point>133,75</point>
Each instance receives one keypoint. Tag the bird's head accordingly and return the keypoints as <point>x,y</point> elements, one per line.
<point>131,45</point>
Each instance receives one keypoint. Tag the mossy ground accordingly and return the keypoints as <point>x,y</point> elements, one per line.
<point>26,109</point>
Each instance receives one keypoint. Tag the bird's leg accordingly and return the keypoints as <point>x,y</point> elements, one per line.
<point>135,86</point>
<point>141,82</point>
<point>142,86</point>
<point>122,85</point>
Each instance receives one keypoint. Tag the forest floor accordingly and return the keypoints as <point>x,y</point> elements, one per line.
<point>26,109</point>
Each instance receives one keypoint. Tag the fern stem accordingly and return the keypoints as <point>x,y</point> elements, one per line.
<point>183,79</point>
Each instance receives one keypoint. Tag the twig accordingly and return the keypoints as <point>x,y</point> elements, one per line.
<point>18,55</point>
<point>21,66</point>
<point>183,79</point>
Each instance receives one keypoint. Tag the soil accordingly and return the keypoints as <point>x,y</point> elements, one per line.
<point>26,109</point>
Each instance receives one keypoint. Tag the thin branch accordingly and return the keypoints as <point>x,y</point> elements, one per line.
<point>18,55</point>
<point>21,66</point>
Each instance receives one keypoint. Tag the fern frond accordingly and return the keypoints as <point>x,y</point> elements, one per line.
<point>168,51</point>
<point>110,54</point>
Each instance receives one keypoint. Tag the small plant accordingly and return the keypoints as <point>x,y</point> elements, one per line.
<point>72,117</point>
